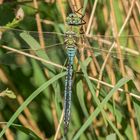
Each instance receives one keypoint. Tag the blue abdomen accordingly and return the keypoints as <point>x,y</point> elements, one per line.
<point>71,52</point>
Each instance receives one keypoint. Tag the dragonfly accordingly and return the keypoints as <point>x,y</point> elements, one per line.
<point>74,43</point>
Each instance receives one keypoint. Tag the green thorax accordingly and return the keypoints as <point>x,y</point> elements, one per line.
<point>70,39</point>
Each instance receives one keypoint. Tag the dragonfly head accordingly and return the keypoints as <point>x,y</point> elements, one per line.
<point>74,20</point>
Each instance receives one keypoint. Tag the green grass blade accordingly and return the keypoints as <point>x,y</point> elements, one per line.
<point>80,95</point>
<point>27,131</point>
<point>111,137</point>
<point>84,7</point>
<point>137,110</point>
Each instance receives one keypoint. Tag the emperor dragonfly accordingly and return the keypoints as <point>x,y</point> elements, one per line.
<point>71,44</point>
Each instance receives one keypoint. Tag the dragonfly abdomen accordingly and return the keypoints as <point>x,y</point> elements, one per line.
<point>67,101</point>
<point>71,51</point>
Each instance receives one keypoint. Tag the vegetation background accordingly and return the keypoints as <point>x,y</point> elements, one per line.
<point>100,109</point>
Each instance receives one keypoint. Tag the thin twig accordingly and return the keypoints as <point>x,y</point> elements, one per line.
<point>58,128</point>
<point>39,27</point>
<point>1,1</point>
<point>138,6</point>
<point>62,10</point>
<point>91,17</point>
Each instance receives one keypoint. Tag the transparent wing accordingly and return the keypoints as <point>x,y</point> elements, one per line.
<point>11,35</point>
<point>106,44</point>
<point>53,52</point>
<point>126,49</point>
<point>17,45</point>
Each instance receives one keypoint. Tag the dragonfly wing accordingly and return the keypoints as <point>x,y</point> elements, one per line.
<point>101,47</point>
<point>49,38</point>
<point>27,44</point>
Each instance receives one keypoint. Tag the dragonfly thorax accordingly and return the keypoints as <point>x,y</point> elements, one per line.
<point>70,39</point>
